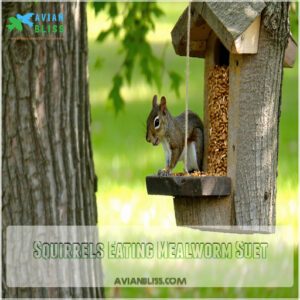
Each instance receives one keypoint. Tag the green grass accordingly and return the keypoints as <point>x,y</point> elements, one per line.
<point>123,158</point>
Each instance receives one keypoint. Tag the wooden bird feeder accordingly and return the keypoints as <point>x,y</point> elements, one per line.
<point>233,35</point>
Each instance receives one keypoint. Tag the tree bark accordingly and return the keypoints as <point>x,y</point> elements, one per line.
<point>47,162</point>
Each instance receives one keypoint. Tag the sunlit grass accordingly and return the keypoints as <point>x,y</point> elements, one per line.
<point>129,206</point>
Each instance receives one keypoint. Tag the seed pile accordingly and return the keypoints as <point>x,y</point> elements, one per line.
<point>195,174</point>
<point>218,89</point>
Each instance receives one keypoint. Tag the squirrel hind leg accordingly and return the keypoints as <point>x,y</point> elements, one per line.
<point>199,144</point>
<point>192,159</point>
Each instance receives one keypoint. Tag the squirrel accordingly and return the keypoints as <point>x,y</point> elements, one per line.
<point>163,128</point>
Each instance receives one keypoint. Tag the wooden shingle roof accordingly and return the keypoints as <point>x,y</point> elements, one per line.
<point>229,20</point>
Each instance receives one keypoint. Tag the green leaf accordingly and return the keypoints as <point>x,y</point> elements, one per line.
<point>115,93</point>
<point>115,30</point>
<point>98,6</point>
<point>103,35</point>
<point>157,11</point>
<point>176,80</point>
<point>145,68</point>
<point>128,65</point>
<point>113,10</point>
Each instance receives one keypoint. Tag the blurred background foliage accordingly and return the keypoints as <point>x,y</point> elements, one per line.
<point>129,24</point>
<point>131,58</point>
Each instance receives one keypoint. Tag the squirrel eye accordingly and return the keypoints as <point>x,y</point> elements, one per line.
<point>156,122</point>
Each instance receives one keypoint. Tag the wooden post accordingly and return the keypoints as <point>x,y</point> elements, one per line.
<point>254,110</point>
<point>254,107</point>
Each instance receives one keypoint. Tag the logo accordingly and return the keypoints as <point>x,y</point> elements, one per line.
<point>18,21</point>
<point>44,23</point>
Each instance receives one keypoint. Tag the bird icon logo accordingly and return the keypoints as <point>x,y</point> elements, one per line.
<point>18,21</point>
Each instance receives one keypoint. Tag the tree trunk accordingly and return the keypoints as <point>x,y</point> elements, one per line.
<point>47,166</point>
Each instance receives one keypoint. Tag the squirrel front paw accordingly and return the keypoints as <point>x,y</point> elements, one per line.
<point>164,172</point>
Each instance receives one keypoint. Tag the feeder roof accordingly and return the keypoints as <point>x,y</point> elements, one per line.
<point>230,21</point>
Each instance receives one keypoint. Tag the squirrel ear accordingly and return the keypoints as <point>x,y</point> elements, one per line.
<point>163,104</point>
<point>154,101</point>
